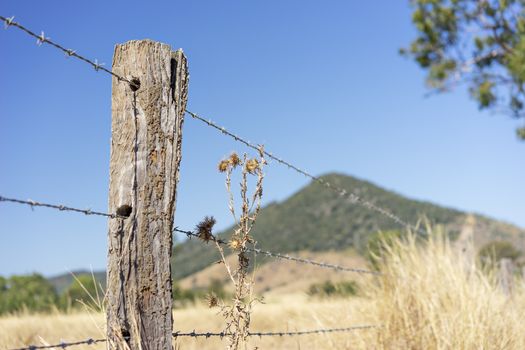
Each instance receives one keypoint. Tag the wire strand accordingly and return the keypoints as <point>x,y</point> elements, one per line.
<point>284,256</point>
<point>62,345</point>
<point>42,39</point>
<point>60,207</point>
<point>206,335</point>
<point>352,197</point>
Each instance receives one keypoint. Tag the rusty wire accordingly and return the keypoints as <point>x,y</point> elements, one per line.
<point>207,335</point>
<point>60,207</point>
<point>63,345</point>
<point>42,39</point>
<point>257,251</point>
<point>352,197</point>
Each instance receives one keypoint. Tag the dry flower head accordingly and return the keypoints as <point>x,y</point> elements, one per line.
<point>235,244</point>
<point>234,159</point>
<point>252,165</point>
<point>205,227</point>
<point>212,300</point>
<point>223,165</point>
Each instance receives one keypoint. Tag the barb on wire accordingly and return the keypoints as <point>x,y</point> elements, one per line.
<point>60,207</point>
<point>354,198</point>
<point>312,331</point>
<point>195,334</point>
<point>42,39</point>
<point>191,234</point>
<point>206,335</point>
<point>62,345</point>
<point>275,333</point>
<point>311,262</point>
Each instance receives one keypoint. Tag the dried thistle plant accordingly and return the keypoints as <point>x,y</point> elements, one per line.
<point>212,300</point>
<point>204,229</point>
<point>238,314</point>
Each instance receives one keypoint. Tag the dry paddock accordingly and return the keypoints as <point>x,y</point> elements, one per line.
<point>288,313</point>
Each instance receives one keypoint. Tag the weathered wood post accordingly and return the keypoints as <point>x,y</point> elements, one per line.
<point>147,119</point>
<point>506,276</point>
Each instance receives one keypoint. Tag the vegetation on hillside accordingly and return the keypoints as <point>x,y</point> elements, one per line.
<point>329,289</point>
<point>34,293</point>
<point>30,292</point>
<point>317,219</point>
<point>492,252</point>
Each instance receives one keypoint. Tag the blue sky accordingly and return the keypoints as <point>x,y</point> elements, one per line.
<point>319,83</point>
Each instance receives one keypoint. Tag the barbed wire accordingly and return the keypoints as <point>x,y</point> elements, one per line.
<point>60,207</point>
<point>207,335</point>
<point>312,331</point>
<point>42,39</point>
<point>191,234</point>
<point>284,256</point>
<point>311,262</point>
<point>354,198</point>
<point>63,345</point>
<point>276,333</point>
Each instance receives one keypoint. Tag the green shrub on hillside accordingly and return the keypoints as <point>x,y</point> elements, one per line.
<point>30,292</point>
<point>494,251</point>
<point>331,289</point>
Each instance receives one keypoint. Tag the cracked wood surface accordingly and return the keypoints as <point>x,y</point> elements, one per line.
<point>144,171</point>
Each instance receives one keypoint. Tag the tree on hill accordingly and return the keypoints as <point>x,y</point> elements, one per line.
<point>477,42</point>
<point>30,292</point>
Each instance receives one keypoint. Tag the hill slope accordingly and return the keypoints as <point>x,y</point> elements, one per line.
<point>315,219</point>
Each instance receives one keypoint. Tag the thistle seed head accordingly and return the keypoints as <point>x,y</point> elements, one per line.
<point>234,159</point>
<point>252,165</point>
<point>205,227</point>
<point>212,300</point>
<point>223,165</point>
<point>235,244</point>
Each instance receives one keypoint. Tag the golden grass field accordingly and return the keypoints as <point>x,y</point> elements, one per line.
<point>426,298</point>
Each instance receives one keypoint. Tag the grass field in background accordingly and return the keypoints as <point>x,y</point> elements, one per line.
<point>427,298</point>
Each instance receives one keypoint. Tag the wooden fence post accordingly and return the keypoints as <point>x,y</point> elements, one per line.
<point>147,118</point>
<point>506,276</point>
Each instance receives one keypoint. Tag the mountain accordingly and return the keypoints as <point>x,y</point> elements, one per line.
<point>315,222</point>
<point>316,219</point>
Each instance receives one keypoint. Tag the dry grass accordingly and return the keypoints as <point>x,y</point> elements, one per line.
<point>292,312</point>
<point>429,298</point>
<point>282,276</point>
<point>426,299</point>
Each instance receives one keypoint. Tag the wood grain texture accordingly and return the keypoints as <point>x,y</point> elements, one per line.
<point>144,170</point>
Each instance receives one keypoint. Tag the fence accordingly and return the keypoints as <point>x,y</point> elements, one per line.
<point>133,96</point>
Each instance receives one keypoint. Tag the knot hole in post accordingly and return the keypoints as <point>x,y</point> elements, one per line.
<point>124,210</point>
<point>125,335</point>
<point>134,84</point>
